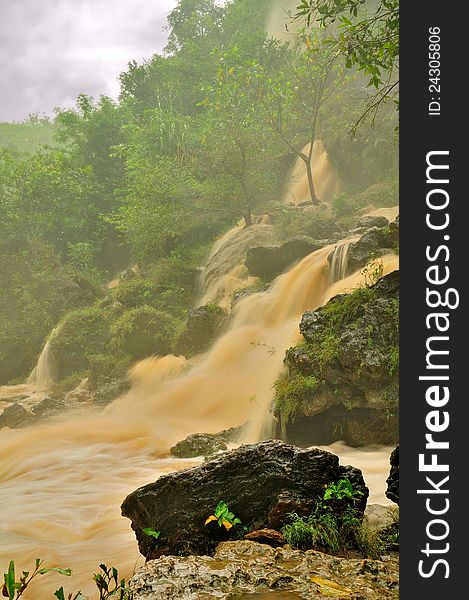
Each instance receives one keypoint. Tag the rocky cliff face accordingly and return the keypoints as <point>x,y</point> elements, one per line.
<point>342,381</point>
<point>260,483</point>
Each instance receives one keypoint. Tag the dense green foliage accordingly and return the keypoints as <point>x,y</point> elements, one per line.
<point>29,135</point>
<point>334,526</point>
<point>201,136</point>
<point>367,34</point>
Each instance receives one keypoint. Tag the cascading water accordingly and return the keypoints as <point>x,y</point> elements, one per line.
<point>42,376</point>
<point>325,178</point>
<point>63,481</point>
<point>339,262</point>
<point>225,272</point>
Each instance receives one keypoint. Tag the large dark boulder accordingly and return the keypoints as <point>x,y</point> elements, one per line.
<point>268,261</point>
<point>295,249</point>
<point>392,491</point>
<point>203,325</point>
<point>264,261</point>
<point>260,483</point>
<point>342,382</point>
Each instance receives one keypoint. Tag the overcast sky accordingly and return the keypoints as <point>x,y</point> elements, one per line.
<point>53,50</point>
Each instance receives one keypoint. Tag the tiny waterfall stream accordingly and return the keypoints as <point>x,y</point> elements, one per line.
<point>62,482</point>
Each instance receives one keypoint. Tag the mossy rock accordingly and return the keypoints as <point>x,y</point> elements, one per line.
<point>144,331</point>
<point>82,333</point>
<point>342,381</point>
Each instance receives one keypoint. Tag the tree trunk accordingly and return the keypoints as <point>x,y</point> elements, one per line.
<point>312,191</point>
<point>247,218</point>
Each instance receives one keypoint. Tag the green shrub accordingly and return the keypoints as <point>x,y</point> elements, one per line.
<point>136,292</point>
<point>144,331</point>
<point>381,194</point>
<point>37,290</point>
<point>176,283</point>
<point>334,526</point>
<point>81,334</point>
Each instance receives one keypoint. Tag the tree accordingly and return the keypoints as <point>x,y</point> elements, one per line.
<point>287,96</point>
<point>367,35</point>
<point>240,150</point>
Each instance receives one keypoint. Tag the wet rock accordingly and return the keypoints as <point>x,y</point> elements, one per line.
<point>352,350</point>
<point>368,221</point>
<point>83,393</point>
<point>110,388</point>
<point>323,229</point>
<point>267,261</point>
<point>295,249</point>
<point>378,516</point>
<point>375,242</point>
<point>392,491</point>
<point>205,444</point>
<point>264,261</point>
<point>49,407</point>
<point>266,536</point>
<point>254,480</point>
<point>239,569</point>
<point>203,325</point>
<point>198,444</point>
<point>15,416</point>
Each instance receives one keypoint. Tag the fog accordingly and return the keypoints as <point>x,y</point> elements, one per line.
<point>53,50</point>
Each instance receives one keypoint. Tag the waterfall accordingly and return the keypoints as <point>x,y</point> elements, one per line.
<point>325,178</point>
<point>42,376</point>
<point>339,262</point>
<point>224,272</point>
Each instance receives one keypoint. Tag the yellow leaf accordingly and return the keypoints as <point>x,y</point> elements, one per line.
<point>331,588</point>
<point>231,70</point>
<point>211,518</point>
<point>227,524</point>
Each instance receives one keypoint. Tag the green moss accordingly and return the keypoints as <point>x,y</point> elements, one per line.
<point>136,292</point>
<point>291,392</point>
<point>346,308</point>
<point>144,331</point>
<point>81,334</point>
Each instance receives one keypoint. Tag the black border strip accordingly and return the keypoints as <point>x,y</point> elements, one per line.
<point>422,132</point>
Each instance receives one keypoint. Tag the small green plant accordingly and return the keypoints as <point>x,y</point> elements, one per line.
<point>223,516</point>
<point>151,532</point>
<point>109,585</point>
<point>13,589</point>
<point>317,530</point>
<point>60,595</point>
<point>341,490</point>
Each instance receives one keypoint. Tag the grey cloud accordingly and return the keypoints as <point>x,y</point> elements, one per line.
<point>53,50</point>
